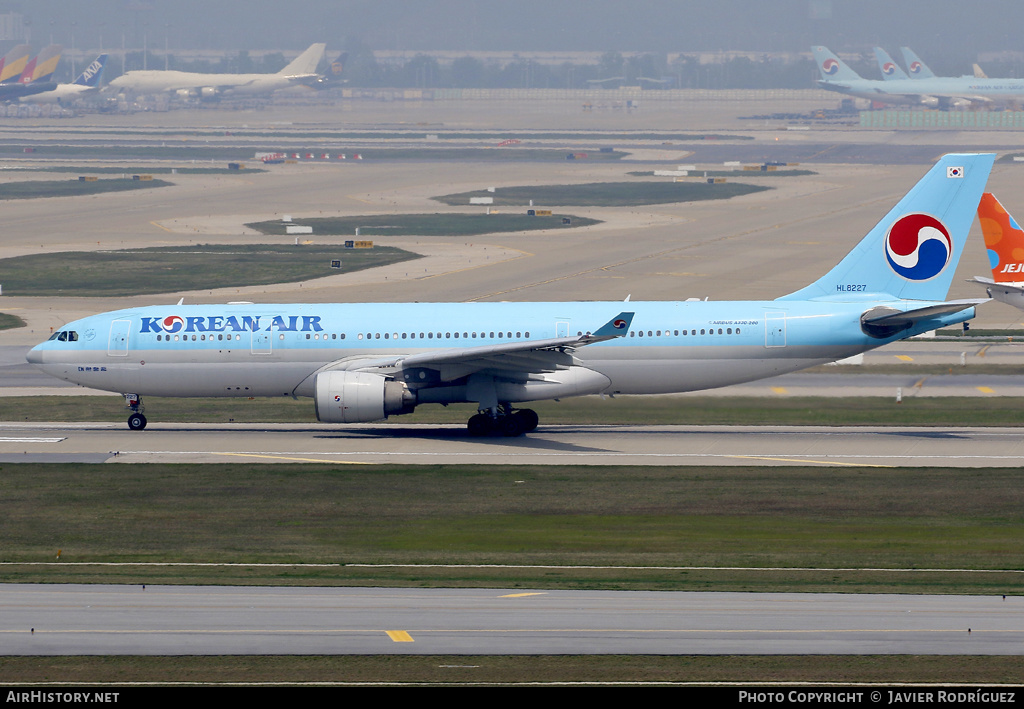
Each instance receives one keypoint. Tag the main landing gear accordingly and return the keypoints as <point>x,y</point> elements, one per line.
<point>505,422</point>
<point>136,421</point>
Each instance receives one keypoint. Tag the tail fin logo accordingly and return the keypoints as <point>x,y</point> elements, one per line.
<point>830,66</point>
<point>915,67</point>
<point>888,68</point>
<point>918,247</point>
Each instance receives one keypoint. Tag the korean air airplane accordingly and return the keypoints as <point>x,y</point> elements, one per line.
<point>890,70</point>
<point>935,92</point>
<point>1004,240</point>
<point>367,361</point>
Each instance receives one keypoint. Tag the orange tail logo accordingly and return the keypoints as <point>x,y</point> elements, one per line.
<point>1004,239</point>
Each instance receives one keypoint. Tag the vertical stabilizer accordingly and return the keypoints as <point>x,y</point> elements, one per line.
<point>14,63</point>
<point>1004,240</point>
<point>306,62</point>
<point>44,65</point>
<point>831,67</point>
<point>915,67</point>
<point>913,252</point>
<point>890,69</point>
<point>93,73</point>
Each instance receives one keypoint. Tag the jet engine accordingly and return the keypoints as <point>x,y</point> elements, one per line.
<point>356,397</point>
<point>208,92</point>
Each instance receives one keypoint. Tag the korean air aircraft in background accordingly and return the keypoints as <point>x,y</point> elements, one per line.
<point>1004,240</point>
<point>916,68</point>
<point>936,92</point>
<point>366,361</point>
<point>890,70</point>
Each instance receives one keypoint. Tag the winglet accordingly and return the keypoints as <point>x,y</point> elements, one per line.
<point>616,327</point>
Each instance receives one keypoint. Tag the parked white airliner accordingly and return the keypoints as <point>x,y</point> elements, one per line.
<point>367,361</point>
<point>185,84</point>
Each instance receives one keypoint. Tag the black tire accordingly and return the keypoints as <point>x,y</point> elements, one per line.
<point>136,422</point>
<point>511,426</point>
<point>479,425</point>
<point>528,419</point>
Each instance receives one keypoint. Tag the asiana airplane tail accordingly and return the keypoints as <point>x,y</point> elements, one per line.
<point>363,362</point>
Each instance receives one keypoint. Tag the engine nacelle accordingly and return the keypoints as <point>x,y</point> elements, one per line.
<point>184,93</point>
<point>358,397</point>
<point>208,91</point>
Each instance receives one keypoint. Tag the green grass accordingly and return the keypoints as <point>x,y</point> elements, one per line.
<point>577,516</point>
<point>10,322</point>
<point>512,669</point>
<point>606,194</point>
<point>179,268</point>
<point>635,410</point>
<point>73,188</point>
<point>426,224</point>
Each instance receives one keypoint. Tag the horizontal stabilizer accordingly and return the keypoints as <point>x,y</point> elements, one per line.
<point>884,321</point>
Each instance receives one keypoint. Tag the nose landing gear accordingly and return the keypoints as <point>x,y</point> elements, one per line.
<point>136,421</point>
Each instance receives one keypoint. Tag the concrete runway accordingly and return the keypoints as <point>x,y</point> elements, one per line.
<point>183,620</point>
<point>548,445</point>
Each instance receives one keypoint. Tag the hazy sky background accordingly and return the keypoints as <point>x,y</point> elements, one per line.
<point>941,30</point>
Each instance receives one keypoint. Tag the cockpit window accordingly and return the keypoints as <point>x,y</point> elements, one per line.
<point>65,336</point>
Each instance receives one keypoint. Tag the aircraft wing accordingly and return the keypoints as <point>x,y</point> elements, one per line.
<point>527,357</point>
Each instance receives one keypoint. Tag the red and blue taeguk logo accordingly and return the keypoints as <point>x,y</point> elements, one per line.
<point>918,247</point>
<point>830,66</point>
<point>888,68</point>
<point>915,67</point>
<point>619,324</point>
<point>172,323</point>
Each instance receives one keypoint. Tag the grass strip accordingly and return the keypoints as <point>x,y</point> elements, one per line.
<point>10,322</point>
<point>427,224</point>
<point>34,189</point>
<point>606,194</point>
<point>629,410</point>
<point>177,268</point>
<point>818,530</point>
<point>503,669</point>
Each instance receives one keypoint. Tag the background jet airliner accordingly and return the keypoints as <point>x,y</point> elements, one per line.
<point>1004,240</point>
<point>936,92</point>
<point>301,71</point>
<point>87,82</point>
<point>36,76</point>
<point>890,69</point>
<point>367,361</point>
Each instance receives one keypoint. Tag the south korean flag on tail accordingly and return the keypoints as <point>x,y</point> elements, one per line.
<point>954,172</point>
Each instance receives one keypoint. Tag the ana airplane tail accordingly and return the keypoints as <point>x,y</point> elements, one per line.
<point>915,67</point>
<point>93,73</point>
<point>831,67</point>
<point>912,253</point>
<point>14,63</point>
<point>306,62</point>
<point>890,69</point>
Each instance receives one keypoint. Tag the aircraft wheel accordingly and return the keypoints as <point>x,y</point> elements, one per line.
<point>528,419</point>
<point>479,425</point>
<point>511,426</point>
<point>136,422</point>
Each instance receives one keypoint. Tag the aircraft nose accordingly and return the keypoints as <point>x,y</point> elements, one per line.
<point>35,355</point>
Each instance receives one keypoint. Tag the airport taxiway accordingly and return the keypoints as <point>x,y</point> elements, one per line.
<point>183,620</point>
<point>423,444</point>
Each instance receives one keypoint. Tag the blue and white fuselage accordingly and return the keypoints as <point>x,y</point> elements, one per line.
<point>366,361</point>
